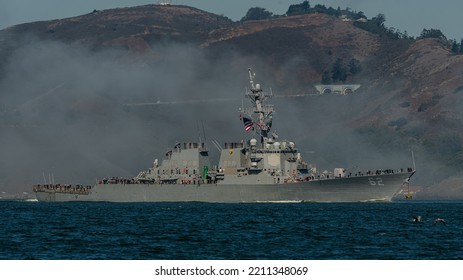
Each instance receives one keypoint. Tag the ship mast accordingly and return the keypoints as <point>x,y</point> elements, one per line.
<point>261,115</point>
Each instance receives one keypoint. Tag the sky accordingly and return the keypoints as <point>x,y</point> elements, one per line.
<point>406,15</point>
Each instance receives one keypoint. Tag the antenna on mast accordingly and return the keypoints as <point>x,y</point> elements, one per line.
<point>259,114</point>
<point>204,132</point>
<point>199,132</point>
<point>251,78</point>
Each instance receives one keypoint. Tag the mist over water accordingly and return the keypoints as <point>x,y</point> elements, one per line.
<point>64,112</point>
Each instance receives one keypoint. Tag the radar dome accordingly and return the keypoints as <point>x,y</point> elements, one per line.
<point>253,142</point>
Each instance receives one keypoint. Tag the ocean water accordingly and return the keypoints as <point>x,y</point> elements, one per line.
<point>159,231</point>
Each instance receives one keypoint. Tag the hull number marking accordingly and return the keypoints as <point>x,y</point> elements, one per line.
<point>376,181</point>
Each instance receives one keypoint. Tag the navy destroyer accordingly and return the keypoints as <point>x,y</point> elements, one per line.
<point>260,169</point>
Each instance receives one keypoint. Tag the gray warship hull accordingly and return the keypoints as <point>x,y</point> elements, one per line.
<point>352,189</point>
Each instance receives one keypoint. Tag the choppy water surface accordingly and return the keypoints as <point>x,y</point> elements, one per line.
<point>32,230</point>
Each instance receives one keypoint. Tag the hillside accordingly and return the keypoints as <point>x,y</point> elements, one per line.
<point>151,23</point>
<point>71,78</point>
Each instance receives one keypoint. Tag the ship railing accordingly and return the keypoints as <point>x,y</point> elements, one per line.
<point>330,175</point>
<point>234,145</point>
<point>192,145</point>
<point>59,188</point>
<point>144,181</point>
<point>120,180</point>
<point>169,181</point>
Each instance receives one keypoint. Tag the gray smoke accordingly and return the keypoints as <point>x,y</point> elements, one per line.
<point>63,109</point>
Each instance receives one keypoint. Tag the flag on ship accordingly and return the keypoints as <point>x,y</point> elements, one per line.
<point>248,123</point>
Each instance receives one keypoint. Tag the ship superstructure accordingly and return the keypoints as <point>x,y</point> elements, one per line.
<point>260,169</point>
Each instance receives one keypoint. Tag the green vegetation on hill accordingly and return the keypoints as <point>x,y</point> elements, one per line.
<point>257,13</point>
<point>374,25</point>
<point>340,71</point>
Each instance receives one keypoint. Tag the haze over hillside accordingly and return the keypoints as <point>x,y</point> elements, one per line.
<point>65,85</point>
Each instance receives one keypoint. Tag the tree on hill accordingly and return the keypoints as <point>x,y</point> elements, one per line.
<point>432,33</point>
<point>298,9</point>
<point>359,15</point>
<point>354,66</point>
<point>339,71</point>
<point>320,9</point>
<point>257,13</point>
<point>326,79</point>
<point>379,20</point>
<point>455,47</point>
<point>376,25</point>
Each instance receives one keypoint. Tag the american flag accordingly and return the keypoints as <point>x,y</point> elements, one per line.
<point>247,123</point>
